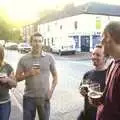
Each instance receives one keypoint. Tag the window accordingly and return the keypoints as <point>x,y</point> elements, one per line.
<point>60,27</point>
<point>52,41</point>
<point>75,25</point>
<point>48,28</point>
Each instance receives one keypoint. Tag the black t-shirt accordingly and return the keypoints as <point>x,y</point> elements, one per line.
<point>98,77</point>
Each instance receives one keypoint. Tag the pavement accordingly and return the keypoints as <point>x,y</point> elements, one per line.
<point>65,104</point>
<point>75,57</point>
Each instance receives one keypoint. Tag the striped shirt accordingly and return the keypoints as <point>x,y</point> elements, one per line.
<point>110,109</point>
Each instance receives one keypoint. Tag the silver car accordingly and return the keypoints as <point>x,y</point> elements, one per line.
<point>24,48</point>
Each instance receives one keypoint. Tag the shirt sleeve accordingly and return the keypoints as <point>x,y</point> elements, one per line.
<point>20,66</point>
<point>85,77</point>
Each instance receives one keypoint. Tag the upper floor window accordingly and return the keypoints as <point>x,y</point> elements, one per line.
<point>52,40</point>
<point>48,28</point>
<point>75,25</point>
<point>60,27</point>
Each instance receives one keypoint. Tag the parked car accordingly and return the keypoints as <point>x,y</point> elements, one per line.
<point>11,46</point>
<point>24,47</point>
<point>63,46</point>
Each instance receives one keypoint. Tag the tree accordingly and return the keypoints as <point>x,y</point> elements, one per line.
<point>15,35</point>
<point>4,26</point>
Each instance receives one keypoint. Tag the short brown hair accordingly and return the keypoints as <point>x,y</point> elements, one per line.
<point>113,28</point>
<point>35,35</point>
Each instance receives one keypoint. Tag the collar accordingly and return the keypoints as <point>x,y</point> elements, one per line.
<point>43,54</point>
<point>117,60</point>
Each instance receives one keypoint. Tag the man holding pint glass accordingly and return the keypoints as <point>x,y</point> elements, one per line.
<point>35,68</point>
<point>93,80</point>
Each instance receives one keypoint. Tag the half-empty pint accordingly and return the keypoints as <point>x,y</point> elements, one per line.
<point>95,96</point>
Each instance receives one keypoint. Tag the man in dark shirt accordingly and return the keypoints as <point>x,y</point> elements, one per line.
<point>96,75</point>
<point>110,107</point>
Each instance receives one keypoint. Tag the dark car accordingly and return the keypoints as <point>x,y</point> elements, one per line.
<point>11,46</point>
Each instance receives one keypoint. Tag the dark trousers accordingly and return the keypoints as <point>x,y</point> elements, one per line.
<point>5,110</point>
<point>31,104</point>
<point>89,114</point>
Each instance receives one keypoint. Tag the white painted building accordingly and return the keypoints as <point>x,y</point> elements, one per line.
<point>83,23</point>
<point>85,28</point>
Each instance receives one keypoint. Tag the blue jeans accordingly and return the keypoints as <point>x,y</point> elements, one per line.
<point>31,104</point>
<point>5,110</point>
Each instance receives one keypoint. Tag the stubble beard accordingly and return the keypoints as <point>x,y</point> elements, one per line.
<point>36,51</point>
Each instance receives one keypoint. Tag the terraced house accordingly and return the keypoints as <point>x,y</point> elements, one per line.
<point>83,23</point>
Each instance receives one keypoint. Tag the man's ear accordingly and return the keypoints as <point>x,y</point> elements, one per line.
<point>108,36</point>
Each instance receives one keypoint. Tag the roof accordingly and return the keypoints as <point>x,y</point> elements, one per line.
<point>101,9</point>
<point>88,8</point>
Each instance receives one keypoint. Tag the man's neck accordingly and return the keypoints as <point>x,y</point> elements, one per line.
<point>100,68</point>
<point>36,53</point>
<point>116,55</point>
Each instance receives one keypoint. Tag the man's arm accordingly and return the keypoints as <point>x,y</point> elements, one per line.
<point>83,84</point>
<point>20,75</point>
<point>54,76</point>
<point>9,81</point>
<point>54,83</point>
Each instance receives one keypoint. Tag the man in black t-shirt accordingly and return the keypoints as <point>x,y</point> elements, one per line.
<point>96,75</point>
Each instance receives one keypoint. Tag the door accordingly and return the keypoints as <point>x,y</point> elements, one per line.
<point>85,43</point>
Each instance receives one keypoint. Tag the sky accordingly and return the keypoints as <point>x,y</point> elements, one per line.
<point>29,9</point>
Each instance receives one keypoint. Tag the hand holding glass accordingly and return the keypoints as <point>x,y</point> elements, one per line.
<point>36,69</point>
<point>95,94</point>
<point>84,88</point>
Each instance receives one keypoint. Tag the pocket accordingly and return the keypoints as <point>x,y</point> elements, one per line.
<point>47,104</point>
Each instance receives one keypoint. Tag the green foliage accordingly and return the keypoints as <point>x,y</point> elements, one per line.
<point>53,14</point>
<point>4,26</point>
<point>8,31</point>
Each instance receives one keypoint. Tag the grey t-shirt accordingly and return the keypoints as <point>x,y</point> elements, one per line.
<point>4,89</point>
<point>37,86</point>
